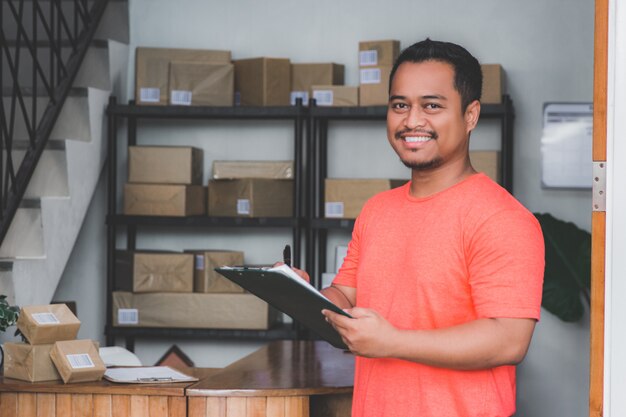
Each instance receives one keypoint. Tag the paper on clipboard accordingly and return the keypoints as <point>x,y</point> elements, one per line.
<point>147,375</point>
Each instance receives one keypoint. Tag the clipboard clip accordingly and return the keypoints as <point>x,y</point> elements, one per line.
<point>154,379</point>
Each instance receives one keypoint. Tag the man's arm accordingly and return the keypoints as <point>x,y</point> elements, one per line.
<point>479,344</point>
<point>342,296</point>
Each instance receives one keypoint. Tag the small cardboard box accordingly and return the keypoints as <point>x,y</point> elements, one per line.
<point>378,53</point>
<point>77,360</point>
<point>374,87</point>
<point>252,169</point>
<point>164,200</point>
<point>152,70</point>
<point>152,271</point>
<point>335,95</point>
<point>493,84</point>
<point>262,82</point>
<point>251,197</point>
<point>487,162</point>
<point>304,76</point>
<point>201,83</point>
<point>29,362</point>
<point>344,198</point>
<point>165,165</point>
<point>206,280</point>
<point>206,311</point>
<point>46,324</point>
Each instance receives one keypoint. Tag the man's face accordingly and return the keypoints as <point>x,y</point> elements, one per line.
<point>425,124</point>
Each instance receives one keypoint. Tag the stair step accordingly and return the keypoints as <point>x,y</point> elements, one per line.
<point>73,121</point>
<point>50,176</point>
<point>25,236</point>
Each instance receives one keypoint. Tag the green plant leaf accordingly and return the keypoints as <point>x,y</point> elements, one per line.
<point>567,277</point>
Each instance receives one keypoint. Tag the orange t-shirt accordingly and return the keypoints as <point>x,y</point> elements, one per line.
<point>471,251</point>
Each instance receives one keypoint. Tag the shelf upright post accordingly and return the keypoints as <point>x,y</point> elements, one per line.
<point>131,230</point>
<point>298,183</point>
<point>311,180</point>
<point>322,234</point>
<point>506,152</point>
<point>111,211</point>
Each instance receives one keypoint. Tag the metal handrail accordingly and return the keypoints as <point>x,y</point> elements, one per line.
<point>42,44</point>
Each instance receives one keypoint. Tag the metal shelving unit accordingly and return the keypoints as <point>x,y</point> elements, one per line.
<point>115,222</point>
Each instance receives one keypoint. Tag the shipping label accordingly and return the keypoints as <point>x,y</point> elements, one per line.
<point>243,206</point>
<point>237,98</point>
<point>370,76</point>
<point>323,97</point>
<point>180,97</point>
<point>334,209</point>
<point>45,318</point>
<point>149,95</point>
<point>200,262</point>
<point>368,58</point>
<point>304,95</point>
<point>80,361</point>
<point>127,316</point>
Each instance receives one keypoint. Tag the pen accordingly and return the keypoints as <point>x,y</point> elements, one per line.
<point>287,255</point>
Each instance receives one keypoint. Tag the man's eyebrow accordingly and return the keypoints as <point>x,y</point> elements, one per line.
<point>397,98</point>
<point>426,97</point>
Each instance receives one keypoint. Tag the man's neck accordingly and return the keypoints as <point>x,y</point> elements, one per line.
<point>425,183</point>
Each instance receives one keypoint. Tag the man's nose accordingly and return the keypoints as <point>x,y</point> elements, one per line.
<point>414,118</point>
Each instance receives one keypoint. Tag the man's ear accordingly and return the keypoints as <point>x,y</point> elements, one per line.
<point>472,113</point>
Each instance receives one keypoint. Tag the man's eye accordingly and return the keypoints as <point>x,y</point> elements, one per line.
<point>399,106</point>
<point>432,106</point>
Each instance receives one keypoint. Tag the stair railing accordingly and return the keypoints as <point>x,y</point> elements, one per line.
<point>42,45</point>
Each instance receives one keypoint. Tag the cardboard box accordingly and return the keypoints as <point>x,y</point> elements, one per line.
<point>252,169</point>
<point>29,362</point>
<point>77,360</point>
<point>487,162</point>
<point>201,83</point>
<point>152,70</point>
<point>152,271</point>
<point>251,197</point>
<point>206,280</point>
<point>374,87</point>
<point>164,200</point>
<point>493,84</point>
<point>262,82</point>
<point>304,76</point>
<point>46,324</point>
<point>378,53</point>
<point>344,198</point>
<point>165,165</point>
<point>335,95</point>
<point>206,311</point>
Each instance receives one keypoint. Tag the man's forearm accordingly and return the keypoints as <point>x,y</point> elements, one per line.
<point>335,295</point>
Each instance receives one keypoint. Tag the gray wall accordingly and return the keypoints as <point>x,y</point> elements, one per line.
<point>546,49</point>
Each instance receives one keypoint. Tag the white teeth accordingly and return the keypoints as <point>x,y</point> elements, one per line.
<point>417,138</point>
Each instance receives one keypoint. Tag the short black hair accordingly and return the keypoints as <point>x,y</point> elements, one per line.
<point>468,77</point>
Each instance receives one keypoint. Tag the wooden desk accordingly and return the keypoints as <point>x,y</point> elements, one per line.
<point>93,399</point>
<point>283,379</point>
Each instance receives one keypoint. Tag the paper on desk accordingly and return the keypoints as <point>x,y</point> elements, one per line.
<point>147,375</point>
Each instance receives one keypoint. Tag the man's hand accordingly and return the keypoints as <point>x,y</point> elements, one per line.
<point>366,334</point>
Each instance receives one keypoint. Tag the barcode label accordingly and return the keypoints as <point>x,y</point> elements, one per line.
<point>237,98</point>
<point>243,206</point>
<point>149,95</point>
<point>127,316</point>
<point>334,209</point>
<point>304,95</point>
<point>200,262</point>
<point>80,360</point>
<point>323,97</point>
<point>368,58</point>
<point>370,76</point>
<point>45,318</point>
<point>180,97</point>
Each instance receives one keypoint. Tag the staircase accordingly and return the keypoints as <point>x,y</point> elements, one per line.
<point>44,229</point>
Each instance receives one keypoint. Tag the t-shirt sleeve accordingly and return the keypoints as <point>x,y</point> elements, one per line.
<point>506,264</point>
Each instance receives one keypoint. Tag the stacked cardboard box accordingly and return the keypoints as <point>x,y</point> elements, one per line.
<point>335,95</point>
<point>205,279</point>
<point>164,181</point>
<point>376,59</point>
<point>51,352</point>
<point>344,198</point>
<point>262,82</point>
<point>251,189</point>
<point>305,76</point>
<point>493,84</point>
<point>184,77</point>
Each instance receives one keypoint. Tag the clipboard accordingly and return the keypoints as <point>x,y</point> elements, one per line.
<point>283,289</point>
<point>147,375</point>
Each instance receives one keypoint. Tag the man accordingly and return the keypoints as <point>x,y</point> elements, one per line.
<point>443,276</point>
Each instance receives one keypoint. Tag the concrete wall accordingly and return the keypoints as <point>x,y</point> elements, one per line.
<point>546,49</point>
